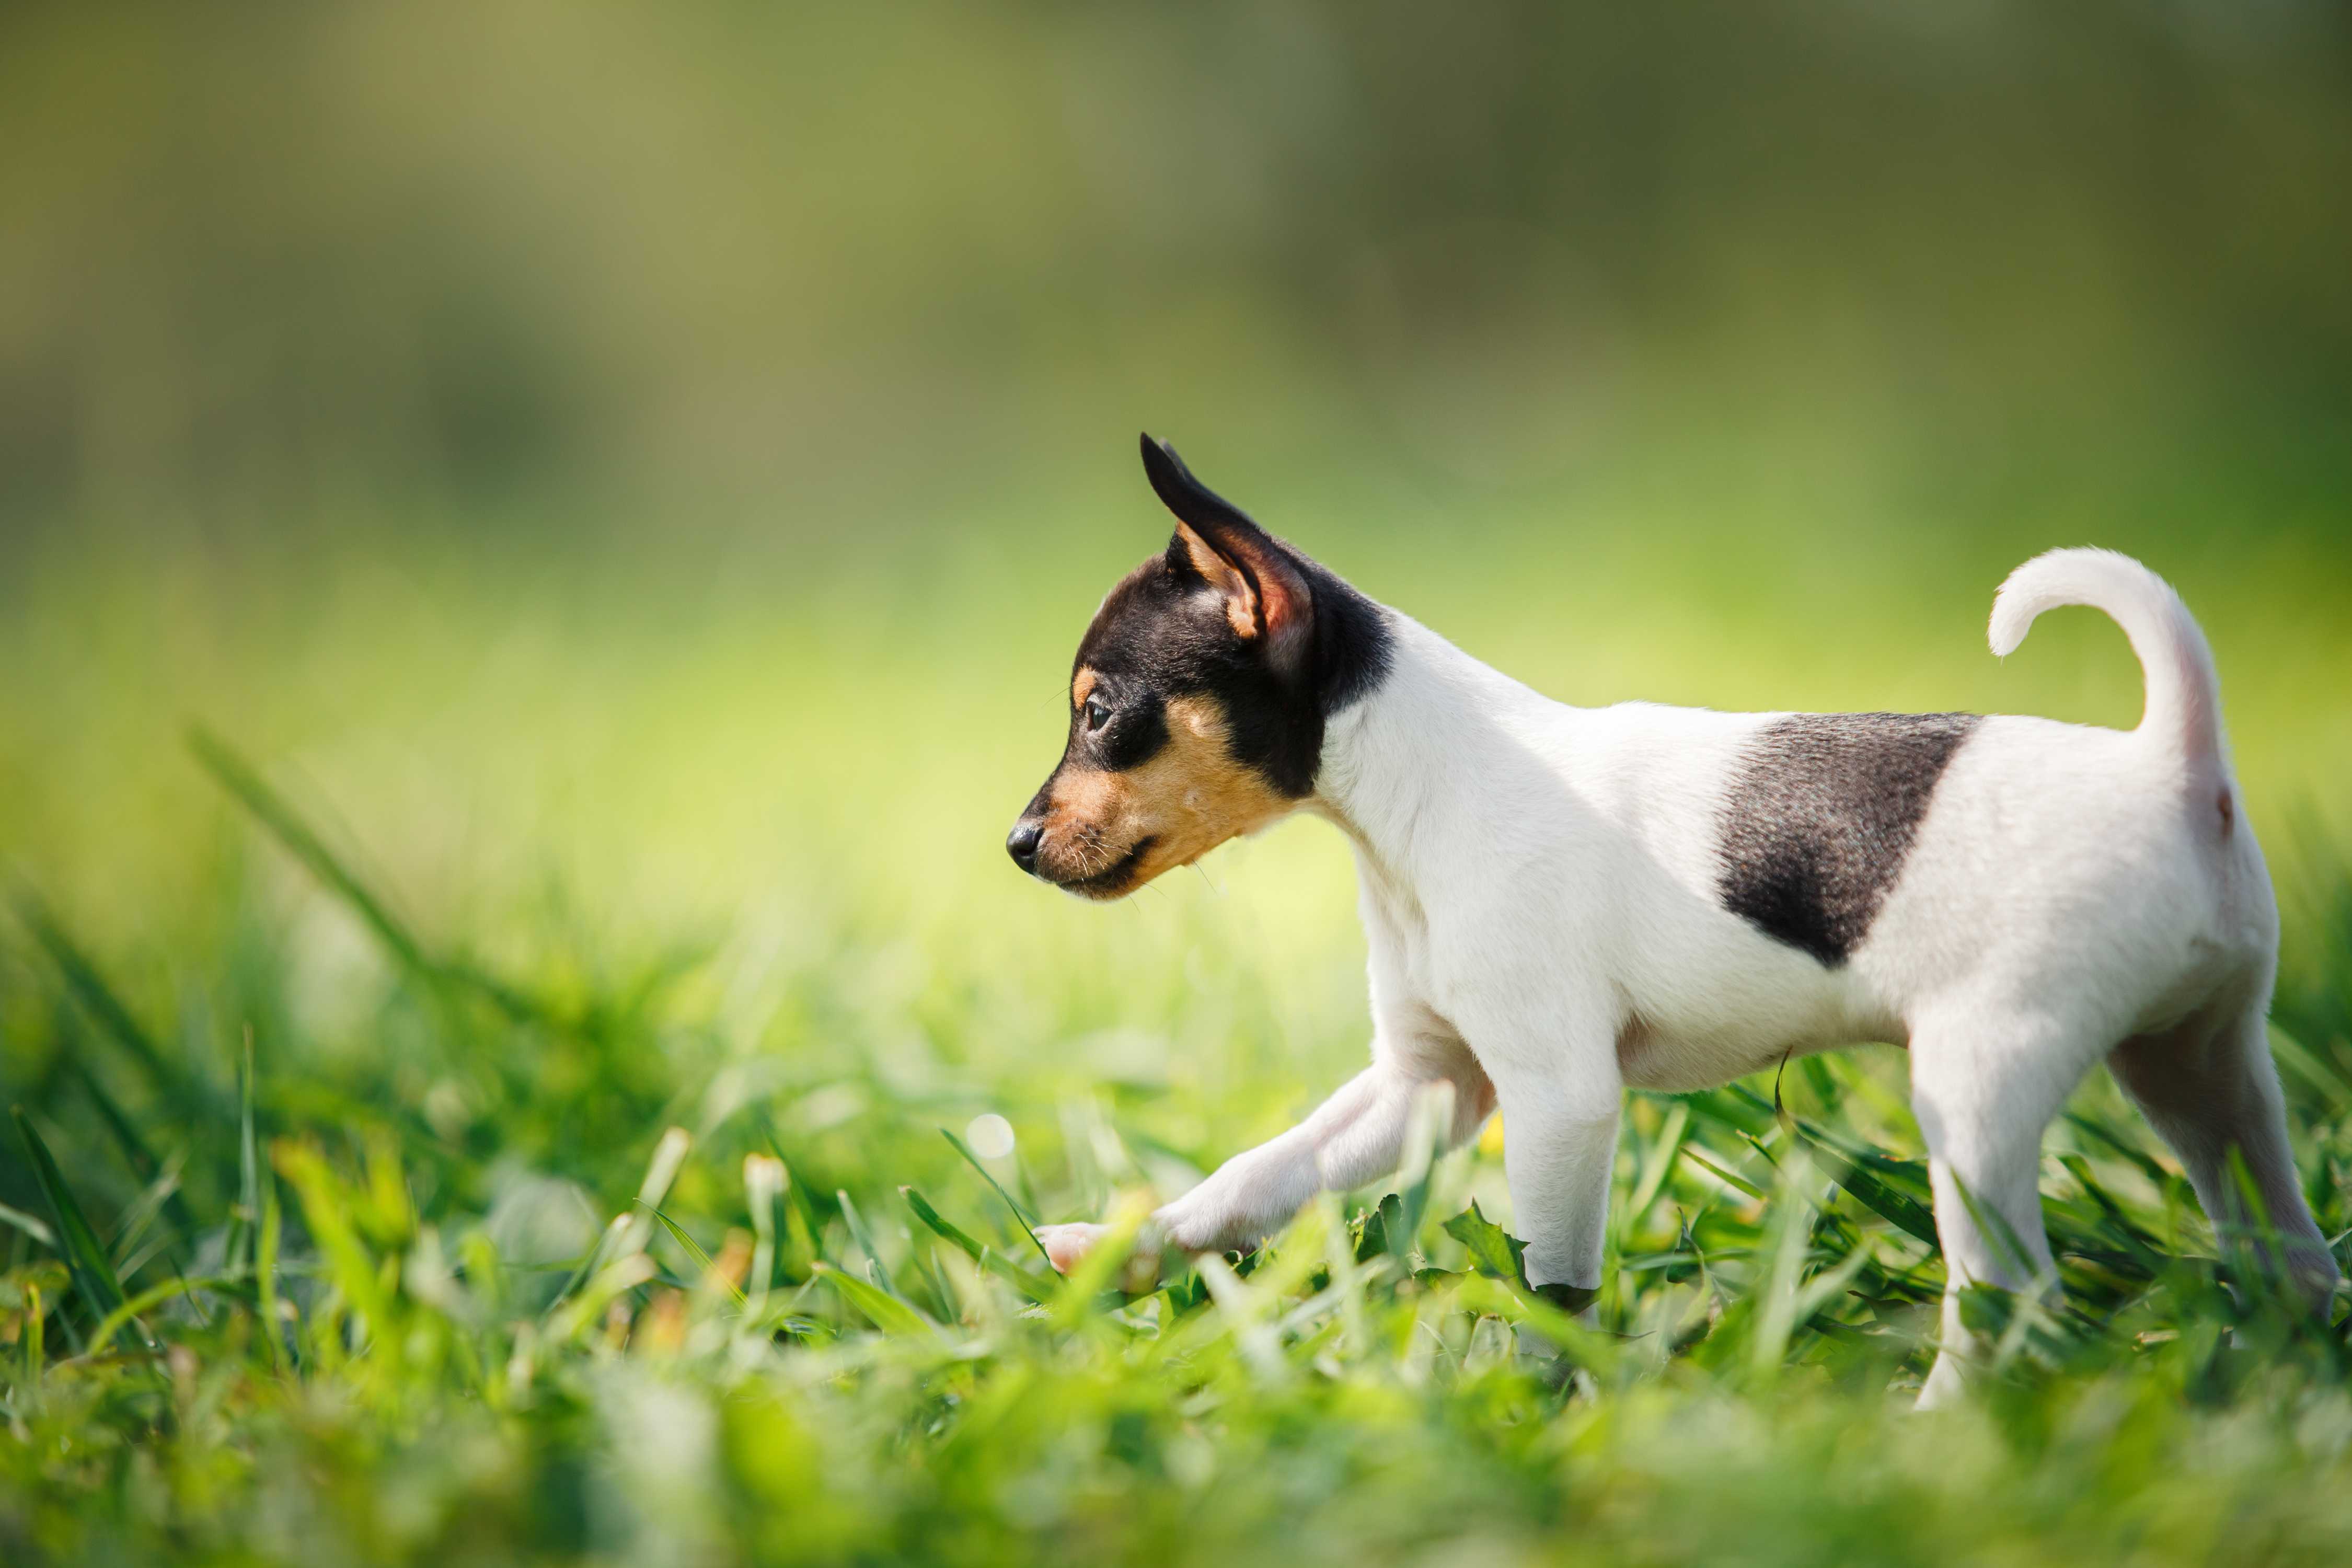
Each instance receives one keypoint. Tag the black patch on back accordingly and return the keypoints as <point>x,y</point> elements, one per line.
<point>1819,817</point>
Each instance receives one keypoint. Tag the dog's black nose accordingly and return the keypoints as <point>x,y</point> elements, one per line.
<point>1022,844</point>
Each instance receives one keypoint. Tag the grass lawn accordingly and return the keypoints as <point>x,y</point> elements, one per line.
<point>531,1052</point>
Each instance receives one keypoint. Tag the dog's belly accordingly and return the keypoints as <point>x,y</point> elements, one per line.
<point>1682,1054</point>
<point>1648,1059</point>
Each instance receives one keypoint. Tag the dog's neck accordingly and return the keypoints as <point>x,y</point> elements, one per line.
<point>1411,769</point>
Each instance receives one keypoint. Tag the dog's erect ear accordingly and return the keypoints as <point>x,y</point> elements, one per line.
<point>1266,595</point>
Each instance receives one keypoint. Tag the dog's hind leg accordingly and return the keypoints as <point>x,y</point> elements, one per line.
<point>2209,1088</point>
<point>1985,1083</point>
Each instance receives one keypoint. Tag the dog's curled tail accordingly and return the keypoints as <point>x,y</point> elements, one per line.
<point>2184,697</point>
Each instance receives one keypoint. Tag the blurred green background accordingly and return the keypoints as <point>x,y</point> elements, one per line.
<point>641,470</point>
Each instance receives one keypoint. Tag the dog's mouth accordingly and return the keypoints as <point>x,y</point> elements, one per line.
<point>1112,880</point>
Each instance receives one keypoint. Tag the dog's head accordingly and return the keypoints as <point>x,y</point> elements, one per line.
<point>1198,697</point>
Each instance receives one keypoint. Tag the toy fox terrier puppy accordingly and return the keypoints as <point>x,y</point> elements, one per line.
<point>1564,901</point>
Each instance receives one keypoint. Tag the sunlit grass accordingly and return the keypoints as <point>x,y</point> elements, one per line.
<point>337,1317</point>
<point>483,1102</point>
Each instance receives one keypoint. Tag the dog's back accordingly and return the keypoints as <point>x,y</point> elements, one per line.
<point>1787,881</point>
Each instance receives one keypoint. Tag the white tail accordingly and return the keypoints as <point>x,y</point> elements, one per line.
<point>2184,699</point>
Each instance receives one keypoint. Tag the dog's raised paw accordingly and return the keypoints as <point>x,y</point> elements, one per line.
<point>1065,1243</point>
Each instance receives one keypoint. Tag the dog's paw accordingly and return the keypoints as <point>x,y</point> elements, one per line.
<point>1065,1243</point>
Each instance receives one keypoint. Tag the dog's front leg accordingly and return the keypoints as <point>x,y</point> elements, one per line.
<point>1352,1138</point>
<point>1559,1141</point>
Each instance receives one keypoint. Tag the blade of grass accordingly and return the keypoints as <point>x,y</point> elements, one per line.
<point>1026,1221</point>
<point>876,1305</point>
<point>862,1241</point>
<point>2136,1238</point>
<point>1521,1305</point>
<point>763,1184</point>
<point>1735,1105</point>
<point>142,1161</point>
<point>233,774</point>
<point>35,1335</point>
<point>1868,1190</point>
<point>30,1225</point>
<point>139,1213</point>
<point>1105,1261</point>
<point>668,1156</point>
<point>1786,1249</point>
<point>97,998</point>
<point>86,1260</point>
<point>2146,1162</point>
<point>326,1210</point>
<point>265,1270</point>
<point>2307,1064</point>
<point>939,1226</point>
<point>1243,1315</point>
<point>1037,1288</point>
<point>248,1165</point>
<point>606,1240</point>
<point>2008,1246</point>
<point>1692,1152</point>
<point>1659,1166</point>
<point>1030,1285</point>
<point>147,1300</point>
<point>162,1185</point>
<point>803,1224</point>
<point>703,1260</point>
<point>622,1274</point>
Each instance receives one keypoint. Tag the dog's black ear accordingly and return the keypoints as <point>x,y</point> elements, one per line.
<point>1267,596</point>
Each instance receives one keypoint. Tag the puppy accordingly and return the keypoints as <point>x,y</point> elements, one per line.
<point>1564,901</point>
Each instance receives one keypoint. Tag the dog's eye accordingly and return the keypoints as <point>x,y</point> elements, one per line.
<point>1097,714</point>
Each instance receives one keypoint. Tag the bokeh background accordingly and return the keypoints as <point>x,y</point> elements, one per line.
<point>638,473</point>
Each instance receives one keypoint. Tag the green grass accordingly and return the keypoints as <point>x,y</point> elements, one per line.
<point>482,1102</point>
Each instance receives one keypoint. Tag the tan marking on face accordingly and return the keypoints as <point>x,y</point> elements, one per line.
<point>1088,797</point>
<point>1190,798</point>
<point>1081,686</point>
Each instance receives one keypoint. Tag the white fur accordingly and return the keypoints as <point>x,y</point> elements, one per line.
<point>1539,884</point>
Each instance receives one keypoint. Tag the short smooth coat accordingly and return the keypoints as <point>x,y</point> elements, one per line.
<point>1561,902</point>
